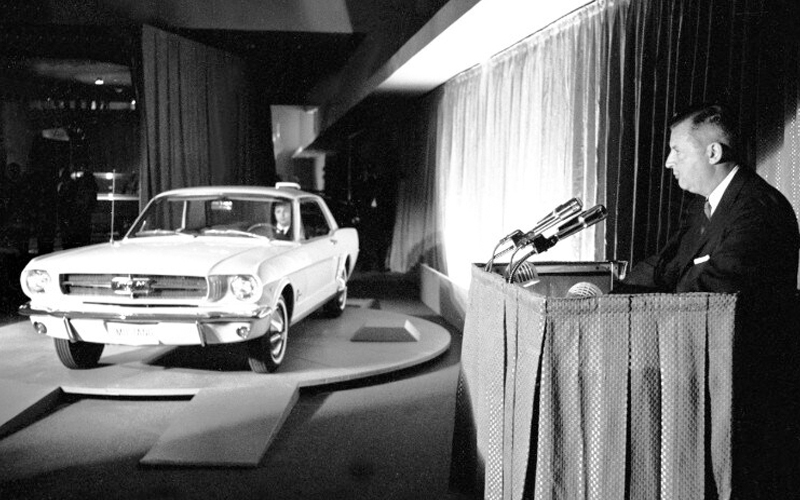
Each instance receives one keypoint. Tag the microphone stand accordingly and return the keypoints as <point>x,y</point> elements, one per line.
<point>515,236</point>
<point>560,214</point>
<point>513,267</point>
<point>495,254</point>
<point>541,243</point>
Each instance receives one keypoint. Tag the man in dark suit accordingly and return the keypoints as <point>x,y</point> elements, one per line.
<point>740,235</point>
<point>282,212</point>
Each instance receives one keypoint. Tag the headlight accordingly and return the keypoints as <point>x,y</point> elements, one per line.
<point>37,280</point>
<point>245,288</point>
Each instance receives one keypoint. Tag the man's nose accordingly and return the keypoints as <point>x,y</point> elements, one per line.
<point>670,162</point>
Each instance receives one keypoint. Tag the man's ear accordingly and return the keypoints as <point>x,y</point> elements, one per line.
<point>717,153</point>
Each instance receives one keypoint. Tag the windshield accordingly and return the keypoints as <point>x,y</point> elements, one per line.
<point>237,216</point>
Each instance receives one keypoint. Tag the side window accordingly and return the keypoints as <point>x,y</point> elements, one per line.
<point>313,220</point>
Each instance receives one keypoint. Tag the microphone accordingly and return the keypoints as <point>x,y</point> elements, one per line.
<point>585,219</point>
<point>520,240</point>
<point>559,214</point>
<point>542,243</point>
<point>578,223</point>
<point>584,289</point>
<point>525,274</point>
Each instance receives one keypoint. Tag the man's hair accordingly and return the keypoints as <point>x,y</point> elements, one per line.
<point>715,115</point>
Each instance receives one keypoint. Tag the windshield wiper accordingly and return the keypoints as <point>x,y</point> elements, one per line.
<point>162,232</point>
<point>232,232</point>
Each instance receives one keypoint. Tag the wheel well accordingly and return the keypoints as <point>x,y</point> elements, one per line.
<point>288,297</point>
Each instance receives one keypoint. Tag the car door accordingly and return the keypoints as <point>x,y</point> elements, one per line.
<point>319,247</point>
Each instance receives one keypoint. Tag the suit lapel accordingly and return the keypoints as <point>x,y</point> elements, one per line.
<point>705,242</point>
<point>695,237</point>
<point>724,211</point>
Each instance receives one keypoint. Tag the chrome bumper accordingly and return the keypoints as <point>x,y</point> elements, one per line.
<point>199,319</point>
<point>204,316</point>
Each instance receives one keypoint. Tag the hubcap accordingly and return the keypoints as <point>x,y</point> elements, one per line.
<point>342,289</point>
<point>277,337</point>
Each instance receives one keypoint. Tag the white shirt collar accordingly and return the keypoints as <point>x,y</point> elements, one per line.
<point>716,194</point>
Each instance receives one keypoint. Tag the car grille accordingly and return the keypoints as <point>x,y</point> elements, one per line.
<point>134,286</point>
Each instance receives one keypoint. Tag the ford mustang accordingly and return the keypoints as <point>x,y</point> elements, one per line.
<point>199,266</point>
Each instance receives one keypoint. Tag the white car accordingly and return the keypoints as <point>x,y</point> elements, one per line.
<point>199,266</point>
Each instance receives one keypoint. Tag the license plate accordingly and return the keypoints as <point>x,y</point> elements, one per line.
<point>131,329</point>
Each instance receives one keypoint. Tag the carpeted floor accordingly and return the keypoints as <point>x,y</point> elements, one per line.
<point>388,437</point>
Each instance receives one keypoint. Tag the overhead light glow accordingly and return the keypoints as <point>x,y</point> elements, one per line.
<point>99,81</point>
<point>436,56</point>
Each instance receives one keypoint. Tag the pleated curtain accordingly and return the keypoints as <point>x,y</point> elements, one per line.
<point>581,108</point>
<point>201,123</point>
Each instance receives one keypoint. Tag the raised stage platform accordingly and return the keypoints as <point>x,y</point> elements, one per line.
<point>234,414</point>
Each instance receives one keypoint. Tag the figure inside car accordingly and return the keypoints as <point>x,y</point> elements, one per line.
<point>282,212</point>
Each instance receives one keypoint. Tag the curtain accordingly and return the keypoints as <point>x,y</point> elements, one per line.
<point>672,53</point>
<point>779,146</point>
<point>417,235</point>
<point>508,141</point>
<point>581,108</point>
<point>201,117</point>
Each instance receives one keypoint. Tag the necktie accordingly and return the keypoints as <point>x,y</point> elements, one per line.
<point>707,210</point>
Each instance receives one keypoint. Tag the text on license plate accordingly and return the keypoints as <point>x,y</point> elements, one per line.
<point>131,329</point>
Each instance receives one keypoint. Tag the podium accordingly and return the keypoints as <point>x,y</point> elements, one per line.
<point>606,397</point>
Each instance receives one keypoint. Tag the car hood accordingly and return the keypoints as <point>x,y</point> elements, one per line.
<point>169,255</point>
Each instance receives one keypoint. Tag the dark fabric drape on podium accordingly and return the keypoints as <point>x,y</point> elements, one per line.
<point>617,396</point>
<point>203,124</point>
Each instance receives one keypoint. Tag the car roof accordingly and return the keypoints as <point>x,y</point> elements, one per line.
<point>286,190</point>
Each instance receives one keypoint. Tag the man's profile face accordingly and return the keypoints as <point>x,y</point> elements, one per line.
<point>689,160</point>
<point>283,214</point>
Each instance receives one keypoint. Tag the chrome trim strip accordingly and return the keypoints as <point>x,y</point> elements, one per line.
<point>201,333</point>
<point>70,330</point>
<point>260,312</point>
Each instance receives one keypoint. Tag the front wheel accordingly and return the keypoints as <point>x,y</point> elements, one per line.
<point>335,307</point>
<point>78,355</point>
<point>265,354</point>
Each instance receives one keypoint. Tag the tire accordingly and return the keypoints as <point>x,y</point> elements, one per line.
<point>78,355</point>
<point>335,307</point>
<point>265,354</point>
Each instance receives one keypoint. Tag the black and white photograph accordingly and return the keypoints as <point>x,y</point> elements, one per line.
<point>399,249</point>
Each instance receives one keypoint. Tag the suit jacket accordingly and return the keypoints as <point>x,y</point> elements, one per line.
<point>750,245</point>
<point>277,235</point>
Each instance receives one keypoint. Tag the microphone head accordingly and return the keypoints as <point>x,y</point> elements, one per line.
<point>559,214</point>
<point>583,220</point>
<point>569,207</point>
<point>584,289</point>
<point>525,275</point>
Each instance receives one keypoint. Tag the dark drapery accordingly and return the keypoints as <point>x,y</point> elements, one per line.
<point>670,54</point>
<point>203,123</point>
